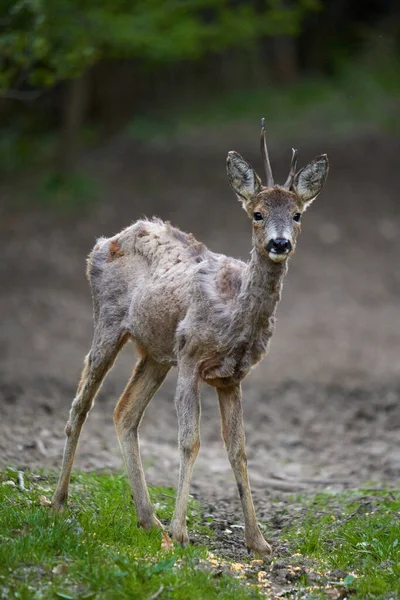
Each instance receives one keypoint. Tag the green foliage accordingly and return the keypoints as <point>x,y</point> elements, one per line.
<point>45,41</point>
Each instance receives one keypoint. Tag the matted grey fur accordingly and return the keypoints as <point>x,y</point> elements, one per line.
<point>210,315</point>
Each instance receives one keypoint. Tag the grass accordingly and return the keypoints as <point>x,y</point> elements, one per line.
<point>356,533</point>
<point>336,545</point>
<point>96,550</point>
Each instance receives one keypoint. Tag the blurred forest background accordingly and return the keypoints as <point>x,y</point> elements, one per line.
<point>115,109</point>
<point>73,73</point>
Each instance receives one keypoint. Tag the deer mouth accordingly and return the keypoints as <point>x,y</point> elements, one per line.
<point>279,249</point>
<point>278,256</point>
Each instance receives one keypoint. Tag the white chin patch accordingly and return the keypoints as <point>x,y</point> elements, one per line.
<point>278,257</point>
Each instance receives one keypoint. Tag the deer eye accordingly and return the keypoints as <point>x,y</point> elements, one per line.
<point>258,216</point>
<point>297,217</point>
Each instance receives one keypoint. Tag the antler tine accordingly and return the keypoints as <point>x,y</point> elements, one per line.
<point>292,172</point>
<point>264,154</point>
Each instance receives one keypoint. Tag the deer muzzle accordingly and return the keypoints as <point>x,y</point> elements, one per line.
<point>279,246</point>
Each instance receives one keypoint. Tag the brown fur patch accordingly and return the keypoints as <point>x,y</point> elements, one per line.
<point>229,282</point>
<point>115,251</point>
<point>142,231</point>
<point>276,195</point>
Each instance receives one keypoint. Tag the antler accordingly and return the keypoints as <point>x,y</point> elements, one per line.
<point>267,164</point>
<point>292,172</point>
<point>264,154</point>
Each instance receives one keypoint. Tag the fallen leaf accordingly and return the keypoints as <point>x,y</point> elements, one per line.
<point>65,596</point>
<point>237,567</point>
<point>60,569</point>
<point>43,501</point>
<point>348,580</point>
<point>166,542</point>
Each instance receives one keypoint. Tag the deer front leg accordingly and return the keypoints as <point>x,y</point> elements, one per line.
<point>188,411</point>
<point>230,403</point>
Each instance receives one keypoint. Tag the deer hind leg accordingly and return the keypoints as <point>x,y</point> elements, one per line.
<point>98,362</point>
<point>145,381</point>
<point>230,402</point>
<point>188,411</point>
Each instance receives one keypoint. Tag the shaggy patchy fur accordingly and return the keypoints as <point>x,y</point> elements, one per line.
<point>210,315</point>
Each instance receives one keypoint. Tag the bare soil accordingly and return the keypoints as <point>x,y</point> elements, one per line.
<point>322,411</point>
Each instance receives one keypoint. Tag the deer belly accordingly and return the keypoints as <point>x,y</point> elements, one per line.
<point>156,337</point>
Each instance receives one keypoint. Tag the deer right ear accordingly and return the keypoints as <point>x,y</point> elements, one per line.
<point>243,180</point>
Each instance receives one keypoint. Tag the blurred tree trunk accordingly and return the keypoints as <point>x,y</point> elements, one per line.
<point>284,50</point>
<point>75,100</point>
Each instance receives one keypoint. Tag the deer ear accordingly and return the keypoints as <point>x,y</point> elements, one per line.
<point>243,180</point>
<point>309,181</point>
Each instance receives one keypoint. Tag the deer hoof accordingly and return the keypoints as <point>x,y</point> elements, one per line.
<point>179,535</point>
<point>58,505</point>
<point>259,547</point>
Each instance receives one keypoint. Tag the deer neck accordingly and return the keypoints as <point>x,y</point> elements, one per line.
<point>260,293</point>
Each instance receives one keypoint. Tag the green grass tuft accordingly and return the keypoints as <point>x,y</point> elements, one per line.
<point>357,533</point>
<point>96,550</point>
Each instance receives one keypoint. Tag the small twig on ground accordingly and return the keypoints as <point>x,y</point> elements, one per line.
<point>158,592</point>
<point>21,482</point>
<point>41,447</point>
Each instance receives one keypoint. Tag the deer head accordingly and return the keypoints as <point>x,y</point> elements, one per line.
<point>276,210</point>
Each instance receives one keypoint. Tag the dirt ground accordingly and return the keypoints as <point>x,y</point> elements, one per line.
<point>322,411</point>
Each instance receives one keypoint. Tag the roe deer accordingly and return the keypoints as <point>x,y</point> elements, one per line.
<point>210,315</point>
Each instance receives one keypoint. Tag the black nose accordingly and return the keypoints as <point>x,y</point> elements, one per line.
<point>279,246</point>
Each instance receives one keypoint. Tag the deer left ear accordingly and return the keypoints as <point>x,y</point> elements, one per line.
<point>309,181</point>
